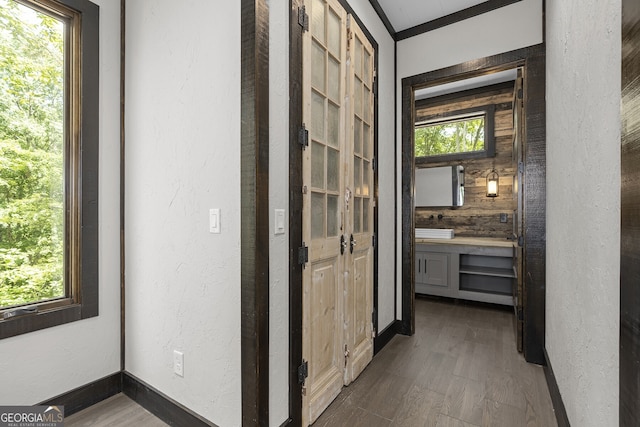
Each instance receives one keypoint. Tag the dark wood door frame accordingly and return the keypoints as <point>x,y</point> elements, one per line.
<point>254,203</point>
<point>630,217</point>
<point>532,60</point>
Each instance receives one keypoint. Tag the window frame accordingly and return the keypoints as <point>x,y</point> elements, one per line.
<point>81,173</point>
<point>488,111</point>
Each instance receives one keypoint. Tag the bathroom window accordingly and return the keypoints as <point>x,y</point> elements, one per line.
<point>48,163</point>
<point>455,135</point>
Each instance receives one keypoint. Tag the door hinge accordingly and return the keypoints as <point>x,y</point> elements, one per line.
<point>520,93</point>
<point>375,86</point>
<point>521,167</point>
<point>303,372</point>
<point>373,240</point>
<point>303,255</point>
<point>521,240</point>
<point>374,163</point>
<point>303,136</point>
<point>373,319</point>
<point>520,315</point>
<point>303,18</point>
<point>346,354</point>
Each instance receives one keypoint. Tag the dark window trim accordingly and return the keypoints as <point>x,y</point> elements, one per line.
<point>488,111</point>
<point>86,302</point>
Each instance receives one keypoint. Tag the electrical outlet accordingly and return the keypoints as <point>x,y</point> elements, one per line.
<point>178,363</point>
<point>503,217</point>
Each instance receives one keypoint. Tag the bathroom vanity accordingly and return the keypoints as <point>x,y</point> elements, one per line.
<point>478,269</point>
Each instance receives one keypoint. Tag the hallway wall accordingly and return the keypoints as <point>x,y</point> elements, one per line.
<point>583,206</point>
<point>183,158</point>
<point>43,364</point>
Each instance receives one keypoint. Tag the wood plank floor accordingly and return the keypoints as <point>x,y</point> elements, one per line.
<point>460,369</point>
<point>117,410</point>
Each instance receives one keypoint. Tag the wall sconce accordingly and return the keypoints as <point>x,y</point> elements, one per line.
<point>492,183</point>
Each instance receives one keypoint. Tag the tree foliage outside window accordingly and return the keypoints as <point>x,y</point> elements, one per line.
<point>32,164</point>
<point>463,135</point>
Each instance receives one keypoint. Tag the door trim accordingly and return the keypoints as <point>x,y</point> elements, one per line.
<point>532,59</point>
<point>254,203</point>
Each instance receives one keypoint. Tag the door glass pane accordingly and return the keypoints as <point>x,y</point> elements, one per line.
<point>366,169</point>
<point>334,79</point>
<point>357,136</point>
<point>317,20</point>
<point>317,215</point>
<point>317,116</point>
<point>357,174</point>
<point>366,105</point>
<point>366,140</point>
<point>357,57</point>
<point>357,97</point>
<point>366,71</point>
<point>318,67</point>
<point>333,169</point>
<point>365,215</point>
<point>357,213</point>
<point>317,165</point>
<point>334,33</point>
<point>332,215</point>
<point>333,125</point>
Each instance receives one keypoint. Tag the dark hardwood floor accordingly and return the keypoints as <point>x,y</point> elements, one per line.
<point>461,368</point>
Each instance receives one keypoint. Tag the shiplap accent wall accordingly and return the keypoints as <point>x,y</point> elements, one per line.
<point>480,215</point>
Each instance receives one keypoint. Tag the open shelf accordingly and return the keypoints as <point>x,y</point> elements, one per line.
<point>490,284</point>
<point>487,271</point>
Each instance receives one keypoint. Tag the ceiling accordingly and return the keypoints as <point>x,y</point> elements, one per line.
<point>405,14</point>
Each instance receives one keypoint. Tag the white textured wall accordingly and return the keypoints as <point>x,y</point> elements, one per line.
<point>43,364</point>
<point>278,199</point>
<point>183,158</point>
<point>502,30</point>
<point>583,206</point>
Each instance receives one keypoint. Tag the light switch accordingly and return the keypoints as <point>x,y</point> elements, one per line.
<point>214,221</point>
<point>279,221</point>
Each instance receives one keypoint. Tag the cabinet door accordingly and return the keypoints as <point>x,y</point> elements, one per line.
<point>436,269</point>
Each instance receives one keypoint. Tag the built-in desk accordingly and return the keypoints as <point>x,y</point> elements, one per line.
<point>478,269</point>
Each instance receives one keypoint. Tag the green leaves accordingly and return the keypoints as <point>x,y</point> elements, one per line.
<point>32,210</point>
<point>459,136</point>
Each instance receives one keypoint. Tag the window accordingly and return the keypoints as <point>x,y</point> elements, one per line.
<point>456,135</point>
<point>48,163</point>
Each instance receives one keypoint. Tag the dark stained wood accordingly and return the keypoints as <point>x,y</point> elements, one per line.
<point>480,215</point>
<point>161,405</point>
<point>532,61</point>
<point>85,396</point>
<point>383,17</point>
<point>534,205</point>
<point>467,13</point>
<point>383,337</point>
<point>630,218</point>
<point>254,236</point>
<point>556,397</point>
<point>295,214</point>
<point>123,20</point>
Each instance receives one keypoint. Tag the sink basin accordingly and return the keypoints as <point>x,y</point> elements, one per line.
<point>434,233</point>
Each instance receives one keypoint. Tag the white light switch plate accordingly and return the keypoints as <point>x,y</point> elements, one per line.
<point>214,221</point>
<point>279,221</point>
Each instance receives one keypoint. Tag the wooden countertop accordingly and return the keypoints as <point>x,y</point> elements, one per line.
<point>470,241</point>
